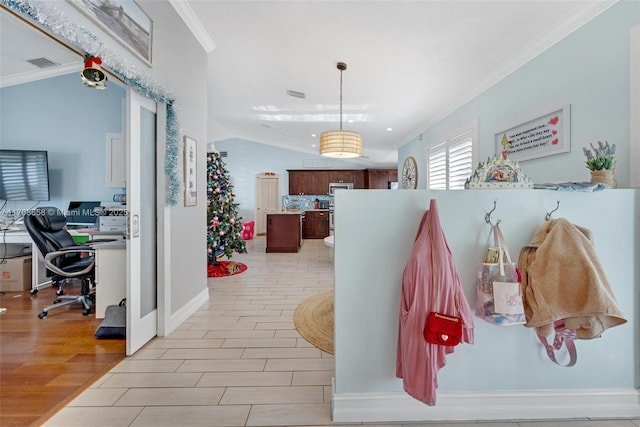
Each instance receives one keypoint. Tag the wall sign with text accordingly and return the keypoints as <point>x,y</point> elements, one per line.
<point>542,136</point>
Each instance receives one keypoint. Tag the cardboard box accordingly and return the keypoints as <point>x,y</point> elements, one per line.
<point>15,274</point>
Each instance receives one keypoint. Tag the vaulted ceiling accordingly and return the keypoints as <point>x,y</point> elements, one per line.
<point>409,62</point>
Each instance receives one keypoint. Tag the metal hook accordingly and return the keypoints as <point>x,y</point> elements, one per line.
<point>487,216</point>
<point>547,217</point>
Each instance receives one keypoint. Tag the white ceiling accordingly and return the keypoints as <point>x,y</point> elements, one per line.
<point>409,62</point>
<point>20,42</point>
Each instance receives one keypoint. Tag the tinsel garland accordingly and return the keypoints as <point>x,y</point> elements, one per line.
<point>75,35</point>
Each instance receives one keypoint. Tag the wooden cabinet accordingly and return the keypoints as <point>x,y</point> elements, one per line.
<point>308,182</point>
<point>321,182</point>
<point>284,232</point>
<point>341,176</point>
<point>316,182</point>
<point>359,180</point>
<point>315,224</point>
<point>301,182</point>
<point>379,178</point>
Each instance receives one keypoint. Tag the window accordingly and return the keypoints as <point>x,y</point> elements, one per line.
<point>450,162</point>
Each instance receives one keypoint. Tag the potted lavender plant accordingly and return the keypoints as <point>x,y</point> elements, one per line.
<point>601,161</point>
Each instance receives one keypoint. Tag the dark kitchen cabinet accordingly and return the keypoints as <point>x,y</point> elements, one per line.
<point>284,232</point>
<point>315,224</point>
<point>301,182</point>
<point>321,182</point>
<point>358,180</point>
<point>341,176</point>
<point>316,182</point>
<point>380,178</point>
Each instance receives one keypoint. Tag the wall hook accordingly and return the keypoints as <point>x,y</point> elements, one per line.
<point>487,216</point>
<point>547,217</point>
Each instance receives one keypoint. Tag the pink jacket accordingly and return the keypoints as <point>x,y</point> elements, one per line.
<point>418,362</point>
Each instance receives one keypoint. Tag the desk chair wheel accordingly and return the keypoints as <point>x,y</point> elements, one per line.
<point>42,315</point>
<point>86,312</point>
<point>60,292</point>
<point>33,291</point>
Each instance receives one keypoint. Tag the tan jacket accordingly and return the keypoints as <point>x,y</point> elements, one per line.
<point>562,278</point>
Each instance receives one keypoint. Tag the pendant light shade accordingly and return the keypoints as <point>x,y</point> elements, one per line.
<point>342,144</point>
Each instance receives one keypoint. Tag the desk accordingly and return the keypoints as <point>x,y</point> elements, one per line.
<point>111,279</point>
<point>111,256</point>
<point>38,272</point>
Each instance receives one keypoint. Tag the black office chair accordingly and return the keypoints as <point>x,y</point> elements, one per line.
<point>64,259</point>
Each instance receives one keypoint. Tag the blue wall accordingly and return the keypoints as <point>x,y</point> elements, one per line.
<point>588,69</point>
<point>70,122</point>
<point>246,159</point>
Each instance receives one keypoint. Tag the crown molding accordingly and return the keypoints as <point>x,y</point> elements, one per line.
<point>194,24</point>
<point>532,50</point>
<point>31,76</point>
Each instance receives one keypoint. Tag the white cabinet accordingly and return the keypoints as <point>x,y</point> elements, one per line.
<point>115,155</point>
<point>110,273</point>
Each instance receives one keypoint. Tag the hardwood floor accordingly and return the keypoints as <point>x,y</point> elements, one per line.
<point>45,363</point>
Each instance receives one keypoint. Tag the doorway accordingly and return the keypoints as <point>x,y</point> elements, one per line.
<point>267,199</point>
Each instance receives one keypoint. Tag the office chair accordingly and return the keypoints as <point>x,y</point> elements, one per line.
<point>64,259</point>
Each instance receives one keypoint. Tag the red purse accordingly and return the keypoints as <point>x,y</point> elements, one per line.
<point>442,329</point>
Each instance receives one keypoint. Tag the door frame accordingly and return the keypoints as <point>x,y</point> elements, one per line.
<point>259,197</point>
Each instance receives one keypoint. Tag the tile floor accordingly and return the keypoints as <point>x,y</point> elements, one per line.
<point>239,361</point>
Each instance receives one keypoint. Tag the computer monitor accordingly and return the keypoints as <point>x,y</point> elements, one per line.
<point>83,214</point>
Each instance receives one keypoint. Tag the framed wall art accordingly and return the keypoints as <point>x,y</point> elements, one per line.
<point>190,187</point>
<point>123,20</point>
<point>544,135</point>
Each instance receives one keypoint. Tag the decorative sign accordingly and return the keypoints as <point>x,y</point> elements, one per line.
<point>190,188</point>
<point>543,136</point>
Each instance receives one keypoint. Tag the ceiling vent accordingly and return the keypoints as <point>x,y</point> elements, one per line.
<point>223,154</point>
<point>42,62</point>
<point>296,94</point>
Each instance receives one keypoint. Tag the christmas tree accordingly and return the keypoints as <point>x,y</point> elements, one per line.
<point>224,226</point>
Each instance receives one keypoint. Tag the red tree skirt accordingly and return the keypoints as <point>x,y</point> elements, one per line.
<point>226,268</point>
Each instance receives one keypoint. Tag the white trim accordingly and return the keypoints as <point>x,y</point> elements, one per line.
<point>176,319</point>
<point>194,24</point>
<point>32,76</point>
<point>484,406</point>
<point>549,38</point>
<point>634,107</point>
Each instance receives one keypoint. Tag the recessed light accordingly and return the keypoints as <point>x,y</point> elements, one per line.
<point>389,129</point>
<point>313,145</point>
<point>313,135</point>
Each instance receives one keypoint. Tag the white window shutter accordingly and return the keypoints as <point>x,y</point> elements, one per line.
<point>450,163</point>
<point>438,168</point>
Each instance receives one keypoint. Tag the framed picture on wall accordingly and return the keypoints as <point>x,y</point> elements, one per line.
<point>190,187</point>
<point>123,20</point>
<point>544,135</point>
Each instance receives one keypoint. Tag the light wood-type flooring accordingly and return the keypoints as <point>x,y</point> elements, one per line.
<point>238,361</point>
<point>45,363</point>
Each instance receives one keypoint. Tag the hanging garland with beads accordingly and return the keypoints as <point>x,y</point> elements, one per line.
<point>75,35</point>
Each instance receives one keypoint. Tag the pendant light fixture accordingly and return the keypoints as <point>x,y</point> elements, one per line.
<point>340,143</point>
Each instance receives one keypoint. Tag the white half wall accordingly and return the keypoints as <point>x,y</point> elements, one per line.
<point>374,235</point>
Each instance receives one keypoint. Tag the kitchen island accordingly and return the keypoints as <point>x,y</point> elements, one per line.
<point>284,231</point>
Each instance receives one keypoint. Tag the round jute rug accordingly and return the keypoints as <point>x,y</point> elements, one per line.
<point>313,319</point>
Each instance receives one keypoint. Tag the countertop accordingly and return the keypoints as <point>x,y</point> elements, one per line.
<point>114,244</point>
<point>296,211</point>
<point>287,212</point>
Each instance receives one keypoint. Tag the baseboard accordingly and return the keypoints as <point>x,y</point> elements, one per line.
<point>487,405</point>
<point>187,311</point>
